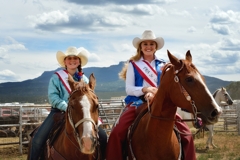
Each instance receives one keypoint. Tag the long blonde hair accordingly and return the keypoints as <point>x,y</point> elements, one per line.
<point>136,57</point>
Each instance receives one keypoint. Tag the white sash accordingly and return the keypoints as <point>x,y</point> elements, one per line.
<point>63,75</point>
<point>150,75</point>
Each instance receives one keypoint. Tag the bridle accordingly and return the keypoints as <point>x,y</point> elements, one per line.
<point>227,97</point>
<point>74,126</point>
<point>186,95</point>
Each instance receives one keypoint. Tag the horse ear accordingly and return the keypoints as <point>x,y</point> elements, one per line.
<point>92,81</point>
<point>175,61</point>
<point>189,56</point>
<point>71,82</point>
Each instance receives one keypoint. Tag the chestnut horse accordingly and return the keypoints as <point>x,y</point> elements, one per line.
<point>181,85</point>
<point>78,139</point>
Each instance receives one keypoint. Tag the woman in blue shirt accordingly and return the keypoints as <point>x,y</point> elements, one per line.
<point>58,92</point>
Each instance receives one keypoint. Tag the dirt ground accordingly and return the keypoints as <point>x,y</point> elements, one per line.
<point>12,153</point>
<point>228,148</point>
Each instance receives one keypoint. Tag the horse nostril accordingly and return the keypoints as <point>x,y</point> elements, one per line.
<point>230,102</point>
<point>214,113</point>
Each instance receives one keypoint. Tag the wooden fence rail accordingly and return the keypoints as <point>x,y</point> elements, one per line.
<point>109,111</point>
<point>229,120</point>
<point>20,129</point>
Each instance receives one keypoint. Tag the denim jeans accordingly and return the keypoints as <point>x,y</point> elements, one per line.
<point>41,135</point>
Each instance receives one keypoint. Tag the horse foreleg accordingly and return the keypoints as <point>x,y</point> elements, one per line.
<point>210,137</point>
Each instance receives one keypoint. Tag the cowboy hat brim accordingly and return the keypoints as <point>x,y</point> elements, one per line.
<point>83,55</point>
<point>159,40</point>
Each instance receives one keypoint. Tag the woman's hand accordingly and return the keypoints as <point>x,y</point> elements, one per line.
<point>149,93</point>
<point>152,90</point>
<point>149,96</point>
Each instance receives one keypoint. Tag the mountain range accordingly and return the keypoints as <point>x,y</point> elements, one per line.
<point>108,85</point>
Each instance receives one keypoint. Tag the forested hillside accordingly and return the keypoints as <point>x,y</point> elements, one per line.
<point>108,85</point>
<point>234,90</point>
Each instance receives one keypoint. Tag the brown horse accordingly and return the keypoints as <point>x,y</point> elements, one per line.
<point>181,85</point>
<point>78,138</point>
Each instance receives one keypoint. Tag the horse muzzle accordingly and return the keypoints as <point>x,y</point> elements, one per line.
<point>88,144</point>
<point>212,118</point>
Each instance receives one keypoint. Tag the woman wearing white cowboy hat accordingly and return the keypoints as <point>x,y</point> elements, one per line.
<point>58,92</point>
<point>141,85</point>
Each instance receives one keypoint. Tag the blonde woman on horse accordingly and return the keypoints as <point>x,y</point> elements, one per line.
<point>58,93</point>
<point>142,75</point>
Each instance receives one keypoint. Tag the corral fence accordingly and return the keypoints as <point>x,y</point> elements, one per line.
<point>17,121</point>
<point>229,120</point>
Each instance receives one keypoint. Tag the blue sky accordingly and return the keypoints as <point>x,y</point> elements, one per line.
<point>32,31</point>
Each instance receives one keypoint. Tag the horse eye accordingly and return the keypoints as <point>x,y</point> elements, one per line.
<point>189,79</point>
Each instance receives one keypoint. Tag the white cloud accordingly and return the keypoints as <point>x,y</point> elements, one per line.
<point>221,29</point>
<point>12,44</point>
<point>50,18</point>
<point>7,75</point>
<point>191,29</point>
<point>94,58</point>
<point>224,17</point>
<point>230,44</point>
<point>36,30</point>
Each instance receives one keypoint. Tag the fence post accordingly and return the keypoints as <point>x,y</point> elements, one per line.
<point>20,128</point>
<point>238,118</point>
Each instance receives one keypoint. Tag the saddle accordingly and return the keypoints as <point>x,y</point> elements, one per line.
<point>59,120</point>
<point>140,112</point>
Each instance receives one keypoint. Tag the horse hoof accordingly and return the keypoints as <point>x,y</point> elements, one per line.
<point>214,147</point>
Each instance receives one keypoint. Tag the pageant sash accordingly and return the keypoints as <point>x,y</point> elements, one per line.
<point>63,76</point>
<point>147,72</point>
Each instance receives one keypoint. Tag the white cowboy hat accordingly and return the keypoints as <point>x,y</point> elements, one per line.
<point>148,35</point>
<point>72,51</point>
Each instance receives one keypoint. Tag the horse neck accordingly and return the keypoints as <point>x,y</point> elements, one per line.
<point>160,120</point>
<point>217,99</point>
<point>162,106</point>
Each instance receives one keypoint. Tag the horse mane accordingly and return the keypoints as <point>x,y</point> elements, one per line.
<point>82,86</point>
<point>215,93</point>
<point>166,67</point>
